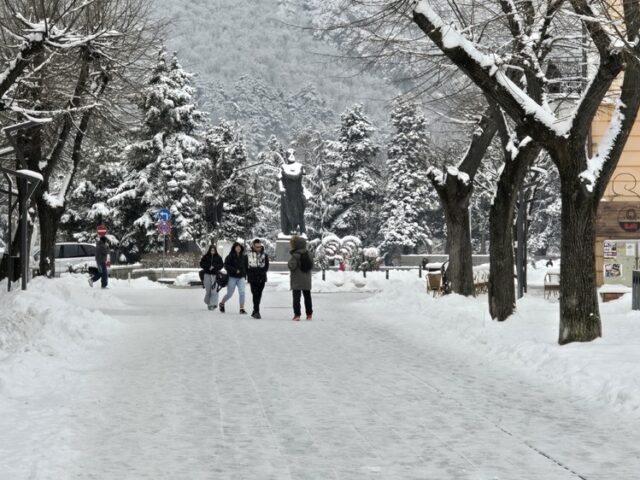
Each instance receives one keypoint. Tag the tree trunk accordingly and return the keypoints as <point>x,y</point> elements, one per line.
<point>579,311</point>
<point>49,219</point>
<point>502,295</point>
<point>460,270</point>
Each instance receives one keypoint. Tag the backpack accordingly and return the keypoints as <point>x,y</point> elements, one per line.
<point>306,262</point>
<point>221,280</point>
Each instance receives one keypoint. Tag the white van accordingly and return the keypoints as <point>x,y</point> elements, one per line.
<point>72,257</point>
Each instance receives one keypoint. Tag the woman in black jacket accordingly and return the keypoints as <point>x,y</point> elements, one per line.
<point>235,266</point>
<point>257,265</point>
<point>211,264</point>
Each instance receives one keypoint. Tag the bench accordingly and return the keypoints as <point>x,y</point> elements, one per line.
<point>552,283</point>
<point>436,287</point>
<point>612,292</point>
<point>481,279</point>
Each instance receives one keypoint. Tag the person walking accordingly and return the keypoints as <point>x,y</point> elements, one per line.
<point>257,265</point>
<point>300,265</point>
<point>211,263</point>
<point>235,265</point>
<point>102,256</point>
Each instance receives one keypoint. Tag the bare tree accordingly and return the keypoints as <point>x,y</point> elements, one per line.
<point>69,84</point>
<point>583,179</point>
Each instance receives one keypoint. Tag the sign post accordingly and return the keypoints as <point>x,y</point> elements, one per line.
<point>164,229</point>
<point>164,215</point>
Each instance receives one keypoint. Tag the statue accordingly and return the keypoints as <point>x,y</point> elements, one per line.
<point>292,195</point>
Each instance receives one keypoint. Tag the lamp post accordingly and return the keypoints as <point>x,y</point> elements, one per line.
<point>28,181</point>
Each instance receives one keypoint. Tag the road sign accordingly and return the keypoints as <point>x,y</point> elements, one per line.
<point>102,230</point>
<point>164,228</point>
<point>164,215</point>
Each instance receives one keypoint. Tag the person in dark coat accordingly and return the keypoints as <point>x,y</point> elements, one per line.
<point>235,265</point>
<point>211,263</point>
<point>257,265</point>
<point>300,278</point>
<point>102,256</point>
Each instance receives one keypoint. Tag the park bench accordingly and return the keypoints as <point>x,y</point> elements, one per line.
<point>552,283</point>
<point>612,292</point>
<point>436,286</point>
<point>481,278</point>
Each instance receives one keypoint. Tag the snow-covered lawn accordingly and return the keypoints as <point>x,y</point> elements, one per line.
<point>140,381</point>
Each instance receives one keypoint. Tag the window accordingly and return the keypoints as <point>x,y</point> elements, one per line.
<point>70,251</point>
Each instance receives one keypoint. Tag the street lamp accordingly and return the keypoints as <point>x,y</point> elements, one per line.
<point>28,182</point>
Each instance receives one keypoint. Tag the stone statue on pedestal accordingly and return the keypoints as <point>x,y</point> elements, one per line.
<point>292,195</point>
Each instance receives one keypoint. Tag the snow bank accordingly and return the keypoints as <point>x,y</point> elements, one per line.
<point>348,282</point>
<point>52,318</point>
<point>185,279</point>
<point>606,370</point>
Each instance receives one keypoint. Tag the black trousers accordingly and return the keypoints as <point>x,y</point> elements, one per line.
<point>307,302</point>
<point>256,293</point>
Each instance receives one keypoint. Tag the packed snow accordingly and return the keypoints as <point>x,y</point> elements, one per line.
<point>140,381</point>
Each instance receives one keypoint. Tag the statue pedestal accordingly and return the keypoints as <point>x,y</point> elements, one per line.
<point>283,249</point>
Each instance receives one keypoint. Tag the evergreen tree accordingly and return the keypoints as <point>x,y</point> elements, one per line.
<point>312,148</point>
<point>164,157</point>
<point>407,199</point>
<point>226,183</point>
<point>267,193</point>
<point>353,179</point>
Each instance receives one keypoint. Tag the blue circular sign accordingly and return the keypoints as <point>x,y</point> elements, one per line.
<point>164,215</point>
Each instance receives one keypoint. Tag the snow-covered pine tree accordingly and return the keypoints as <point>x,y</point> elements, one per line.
<point>164,158</point>
<point>353,178</point>
<point>87,203</point>
<point>226,184</point>
<point>266,187</point>
<point>407,197</point>
<point>311,147</point>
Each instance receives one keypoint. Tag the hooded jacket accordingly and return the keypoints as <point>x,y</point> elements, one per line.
<point>257,265</point>
<point>211,263</point>
<point>235,264</point>
<point>299,280</point>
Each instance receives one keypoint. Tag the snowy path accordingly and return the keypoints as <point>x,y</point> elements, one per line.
<point>183,393</point>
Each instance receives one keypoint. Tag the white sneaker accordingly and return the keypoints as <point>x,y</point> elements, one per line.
<point>90,283</point>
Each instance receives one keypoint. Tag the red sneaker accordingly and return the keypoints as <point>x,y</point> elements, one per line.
<point>296,318</point>
<point>308,317</point>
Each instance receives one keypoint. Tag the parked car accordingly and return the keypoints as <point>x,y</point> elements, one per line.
<point>72,257</point>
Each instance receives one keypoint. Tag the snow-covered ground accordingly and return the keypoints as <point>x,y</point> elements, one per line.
<point>140,381</point>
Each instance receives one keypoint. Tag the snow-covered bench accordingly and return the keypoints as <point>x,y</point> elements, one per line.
<point>612,292</point>
<point>481,278</point>
<point>552,283</point>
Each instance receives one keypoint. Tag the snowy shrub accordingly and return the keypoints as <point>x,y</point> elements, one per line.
<point>171,260</point>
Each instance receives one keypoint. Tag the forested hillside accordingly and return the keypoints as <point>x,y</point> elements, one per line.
<point>255,59</point>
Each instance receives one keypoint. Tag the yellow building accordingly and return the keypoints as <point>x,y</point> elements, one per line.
<point>618,227</point>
